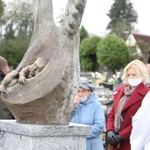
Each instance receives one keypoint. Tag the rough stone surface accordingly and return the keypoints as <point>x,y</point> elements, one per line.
<point>15,136</point>
<point>47,97</point>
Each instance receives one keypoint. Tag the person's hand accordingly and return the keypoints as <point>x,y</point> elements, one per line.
<point>118,139</point>
<point>114,138</point>
<point>76,101</point>
<point>111,137</point>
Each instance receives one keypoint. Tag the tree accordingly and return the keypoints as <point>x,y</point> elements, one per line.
<point>88,49</point>
<point>83,34</point>
<point>2,5</point>
<point>122,16</point>
<point>13,51</point>
<point>113,53</point>
<point>145,48</point>
<point>18,23</point>
<point>18,19</point>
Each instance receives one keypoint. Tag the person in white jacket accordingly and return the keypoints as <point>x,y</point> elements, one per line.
<point>140,135</point>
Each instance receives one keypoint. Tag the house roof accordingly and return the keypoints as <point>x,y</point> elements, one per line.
<point>142,37</point>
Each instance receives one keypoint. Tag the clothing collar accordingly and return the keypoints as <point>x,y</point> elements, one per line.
<point>2,75</point>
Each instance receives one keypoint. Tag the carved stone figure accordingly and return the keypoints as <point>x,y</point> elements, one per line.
<point>21,76</point>
<point>32,70</point>
<point>47,97</point>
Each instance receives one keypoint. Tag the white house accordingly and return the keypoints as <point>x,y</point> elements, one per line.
<point>132,42</point>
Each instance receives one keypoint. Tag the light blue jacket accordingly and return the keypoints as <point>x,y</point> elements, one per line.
<point>91,113</point>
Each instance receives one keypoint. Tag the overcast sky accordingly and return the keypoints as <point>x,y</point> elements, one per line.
<point>95,19</point>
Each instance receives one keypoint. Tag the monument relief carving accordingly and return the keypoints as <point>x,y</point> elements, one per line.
<point>42,88</point>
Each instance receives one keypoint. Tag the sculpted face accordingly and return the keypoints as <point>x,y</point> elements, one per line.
<point>36,67</point>
<point>73,15</point>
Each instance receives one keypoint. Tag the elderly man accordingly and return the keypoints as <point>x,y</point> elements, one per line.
<point>4,111</point>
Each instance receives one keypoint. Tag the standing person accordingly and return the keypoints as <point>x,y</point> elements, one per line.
<point>140,135</point>
<point>88,110</point>
<point>148,68</point>
<point>127,100</point>
<point>4,111</point>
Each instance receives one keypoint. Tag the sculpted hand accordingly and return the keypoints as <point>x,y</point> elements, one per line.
<point>2,89</point>
<point>22,80</point>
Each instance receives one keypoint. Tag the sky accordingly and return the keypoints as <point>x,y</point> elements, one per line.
<point>95,19</point>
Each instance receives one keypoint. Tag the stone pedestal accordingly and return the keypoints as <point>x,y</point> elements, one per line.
<point>16,136</point>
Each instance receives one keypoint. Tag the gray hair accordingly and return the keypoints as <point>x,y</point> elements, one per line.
<point>86,84</point>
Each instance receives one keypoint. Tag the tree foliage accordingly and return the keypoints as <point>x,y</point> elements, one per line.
<point>2,5</point>
<point>88,50</point>
<point>113,53</point>
<point>122,16</point>
<point>83,34</point>
<point>18,19</point>
<point>13,51</point>
<point>18,25</point>
<point>145,48</point>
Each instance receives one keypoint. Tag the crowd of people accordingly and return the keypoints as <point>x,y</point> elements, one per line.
<point>126,121</point>
<point>126,126</point>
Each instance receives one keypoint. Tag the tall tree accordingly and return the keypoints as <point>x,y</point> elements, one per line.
<point>145,48</point>
<point>18,19</point>
<point>122,16</point>
<point>2,5</point>
<point>13,50</point>
<point>88,50</point>
<point>113,53</point>
<point>18,24</point>
<point>83,33</point>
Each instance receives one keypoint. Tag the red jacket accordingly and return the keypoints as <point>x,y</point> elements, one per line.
<point>130,108</point>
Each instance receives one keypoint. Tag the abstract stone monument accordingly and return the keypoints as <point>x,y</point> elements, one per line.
<point>46,98</point>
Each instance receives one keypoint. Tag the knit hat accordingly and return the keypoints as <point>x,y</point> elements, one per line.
<point>86,84</point>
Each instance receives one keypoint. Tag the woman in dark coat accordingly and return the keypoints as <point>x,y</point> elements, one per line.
<point>127,100</point>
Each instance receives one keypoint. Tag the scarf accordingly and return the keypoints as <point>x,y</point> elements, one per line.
<point>118,118</point>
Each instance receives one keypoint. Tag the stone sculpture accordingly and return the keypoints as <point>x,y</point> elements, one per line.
<point>21,76</point>
<point>46,98</point>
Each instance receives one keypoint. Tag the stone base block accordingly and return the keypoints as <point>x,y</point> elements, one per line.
<point>16,136</point>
